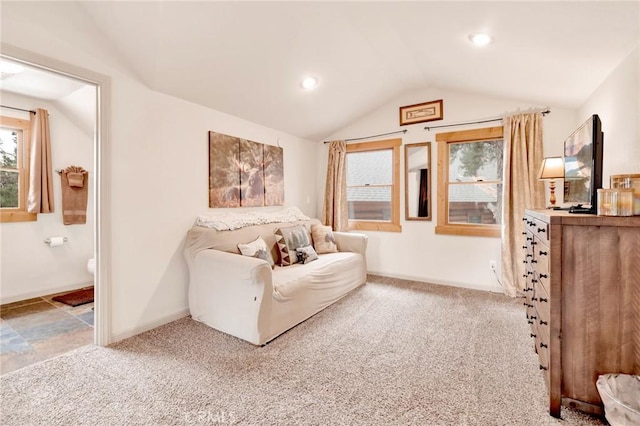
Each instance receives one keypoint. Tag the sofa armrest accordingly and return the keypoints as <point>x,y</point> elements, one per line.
<point>352,241</point>
<point>231,293</point>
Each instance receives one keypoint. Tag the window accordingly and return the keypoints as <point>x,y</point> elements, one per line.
<point>14,170</point>
<point>373,185</point>
<point>470,182</point>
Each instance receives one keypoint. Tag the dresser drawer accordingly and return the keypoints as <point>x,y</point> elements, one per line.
<point>543,360</point>
<point>541,254</point>
<point>538,228</point>
<point>542,304</point>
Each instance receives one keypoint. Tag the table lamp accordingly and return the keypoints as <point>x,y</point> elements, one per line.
<point>552,168</point>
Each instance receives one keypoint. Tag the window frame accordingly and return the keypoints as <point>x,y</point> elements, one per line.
<point>464,136</point>
<point>20,213</point>
<point>393,225</point>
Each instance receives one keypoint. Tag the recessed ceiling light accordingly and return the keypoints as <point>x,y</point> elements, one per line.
<point>480,39</point>
<point>309,83</point>
<point>10,67</point>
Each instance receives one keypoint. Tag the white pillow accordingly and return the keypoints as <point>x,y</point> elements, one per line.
<point>257,248</point>
<point>306,254</point>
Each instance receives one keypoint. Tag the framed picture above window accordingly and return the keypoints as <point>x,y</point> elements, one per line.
<point>470,167</point>
<point>421,113</point>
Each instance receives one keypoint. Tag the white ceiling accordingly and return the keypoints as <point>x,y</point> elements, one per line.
<point>247,58</point>
<point>38,83</point>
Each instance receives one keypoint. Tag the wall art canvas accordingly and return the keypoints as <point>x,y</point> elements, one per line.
<point>243,173</point>
<point>273,176</point>
<point>251,167</point>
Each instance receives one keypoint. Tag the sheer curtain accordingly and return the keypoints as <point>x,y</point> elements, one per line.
<point>40,197</point>
<point>335,197</point>
<point>523,154</point>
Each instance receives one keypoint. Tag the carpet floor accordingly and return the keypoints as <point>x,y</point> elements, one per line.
<point>392,352</point>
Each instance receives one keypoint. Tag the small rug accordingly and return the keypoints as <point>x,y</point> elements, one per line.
<point>76,298</point>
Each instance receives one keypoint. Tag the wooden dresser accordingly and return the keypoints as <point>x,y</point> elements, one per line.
<point>582,301</point>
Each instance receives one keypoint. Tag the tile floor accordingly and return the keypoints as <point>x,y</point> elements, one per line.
<point>36,329</point>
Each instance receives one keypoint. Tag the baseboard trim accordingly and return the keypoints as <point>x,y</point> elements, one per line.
<point>116,337</point>
<point>492,288</point>
<point>44,292</point>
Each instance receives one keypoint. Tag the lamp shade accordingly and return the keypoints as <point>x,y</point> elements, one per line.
<point>552,168</point>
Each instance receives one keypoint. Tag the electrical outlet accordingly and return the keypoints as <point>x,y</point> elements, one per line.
<point>492,265</point>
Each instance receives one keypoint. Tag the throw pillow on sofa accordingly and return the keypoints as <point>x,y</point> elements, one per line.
<point>306,254</point>
<point>323,239</point>
<point>289,239</point>
<point>257,248</point>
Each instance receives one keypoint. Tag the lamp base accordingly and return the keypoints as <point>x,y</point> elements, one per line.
<point>552,193</point>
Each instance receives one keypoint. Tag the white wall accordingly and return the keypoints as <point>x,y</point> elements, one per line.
<point>617,102</point>
<point>29,267</point>
<point>158,165</point>
<point>417,252</point>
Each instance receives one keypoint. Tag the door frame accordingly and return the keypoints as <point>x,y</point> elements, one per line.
<point>101,240</point>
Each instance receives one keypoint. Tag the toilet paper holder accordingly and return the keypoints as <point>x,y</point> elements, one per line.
<point>48,240</point>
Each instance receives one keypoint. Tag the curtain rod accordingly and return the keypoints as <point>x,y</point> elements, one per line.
<point>372,136</point>
<point>17,109</point>
<point>428,128</point>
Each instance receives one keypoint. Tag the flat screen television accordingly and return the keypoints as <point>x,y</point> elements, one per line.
<point>583,166</point>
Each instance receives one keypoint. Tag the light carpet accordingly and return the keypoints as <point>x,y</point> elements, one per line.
<point>392,352</point>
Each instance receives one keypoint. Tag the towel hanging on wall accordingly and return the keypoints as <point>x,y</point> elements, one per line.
<point>75,191</point>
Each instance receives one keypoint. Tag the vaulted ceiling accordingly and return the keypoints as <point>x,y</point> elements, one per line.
<point>247,58</point>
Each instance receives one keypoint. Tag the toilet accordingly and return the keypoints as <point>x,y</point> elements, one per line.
<point>91,266</point>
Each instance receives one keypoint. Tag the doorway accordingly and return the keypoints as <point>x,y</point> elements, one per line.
<point>100,84</point>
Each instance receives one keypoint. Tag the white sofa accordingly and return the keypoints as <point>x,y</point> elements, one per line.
<point>244,297</point>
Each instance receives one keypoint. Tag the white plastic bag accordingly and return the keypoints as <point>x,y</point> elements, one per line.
<point>620,394</point>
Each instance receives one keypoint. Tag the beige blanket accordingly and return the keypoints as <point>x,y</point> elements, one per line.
<point>75,192</point>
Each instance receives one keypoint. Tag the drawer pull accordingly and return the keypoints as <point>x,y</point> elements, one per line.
<point>524,232</point>
<point>534,280</point>
<point>534,261</point>
<point>524,261</point>
<point>524,219</point>
<point>543,345</point>
<point>524,276</point>
<point>534,298</point>
<point>534,317</point>
<point>533,243</point>
<point>529,255</point>
<point>544,276</point>
<point>543,367</point>
<point>524,247</point>
<point>529,238</point>
<point>533,335</point>
<point>529,272</point>
<point>544,299</point>
<point>542,230</point>
<point>544,322</point>
<point>543,253</point>
<point>530,322</point>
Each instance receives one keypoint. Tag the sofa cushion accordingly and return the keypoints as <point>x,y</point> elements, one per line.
<point>257,248</point>
<point>288,239</point>
<point>306,254</point>
<point>323,239</point>
<point>328,275</point>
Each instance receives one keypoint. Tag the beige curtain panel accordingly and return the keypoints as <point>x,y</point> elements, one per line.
<point>40,196</point>
<point>523,154</point>
<point>335,198</point>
